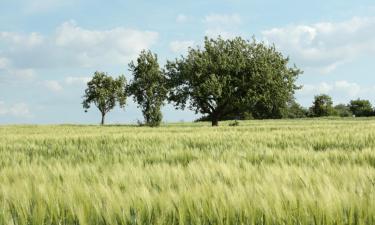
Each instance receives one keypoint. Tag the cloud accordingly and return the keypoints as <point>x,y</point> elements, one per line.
<point>91,47</point>
<point>352,89</point>
<point>16,110</point>
<point>341,91</point>
<point>73,46</point>
<point>327,45</point>
<point>11,75</point>
<point>4,63</point>
<point>180,46</point>
<point>53,85</point>
<point>182,18</point>
<point>223,19</point>
<point>77,80</point>
<point>22,40</point>
<point>224,25</point>
<point>322,88</point>
<point>25,74</point>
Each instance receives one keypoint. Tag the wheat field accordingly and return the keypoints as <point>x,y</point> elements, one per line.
<point>314,171</point>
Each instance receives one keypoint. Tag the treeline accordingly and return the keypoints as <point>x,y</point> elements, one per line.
<point>224,79</point>
<point>323,106</point>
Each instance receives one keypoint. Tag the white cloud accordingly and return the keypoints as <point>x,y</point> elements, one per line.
<point>93,47</point>
<point>53,85</point>
<point>341,91</point>
<point>352,89</point>
<point>224,25</point>
<point>22,40</point>
<point>322,88</point>
<point>327,45</point>
<point>77,80</point>
<point>180,46</point>
<point>26,74</point>
<point>17,109</point>
<point>73,46</point>
<point>4,63</point>
<point>16,75</point>
<point>223,19</point>
<point>182,18</point>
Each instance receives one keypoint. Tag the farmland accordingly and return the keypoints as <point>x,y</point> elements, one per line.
<point>313,171</point>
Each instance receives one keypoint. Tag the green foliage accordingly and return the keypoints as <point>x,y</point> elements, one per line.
<point>342,110</point>
<point>361,108</point>
<point>279,172</point>
<point>294,110</point>
<point>103,91</point>
<point>322,106</point>
<point>234,123</point>
<point>148,87</point>
<point>232,77</point>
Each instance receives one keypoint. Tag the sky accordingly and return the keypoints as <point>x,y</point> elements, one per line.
<point>49,49</point>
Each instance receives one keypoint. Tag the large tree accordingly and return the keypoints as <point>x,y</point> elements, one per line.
<point>148,87</point>
<point>231,77</point>
<point>322,106</point>
<point>103,91</point>
<point>361,107</point>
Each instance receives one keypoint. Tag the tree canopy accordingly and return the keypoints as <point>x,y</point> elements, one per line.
<point>148,87</point>
<point>231,77</point>
<point>103,91</point>
<point>294,110</point>
<point>322,106</point>
<point>361,108</point>
<point>342,110</point>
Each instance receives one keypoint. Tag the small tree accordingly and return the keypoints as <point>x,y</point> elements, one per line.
<point>104,91</point>
<point>148,87</point>
<point>361,108</point>
<point>322,106</point>
<point>232,77</point>
<point>342,110</point>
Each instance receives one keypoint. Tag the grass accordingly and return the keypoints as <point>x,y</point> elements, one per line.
<point>260,172</point>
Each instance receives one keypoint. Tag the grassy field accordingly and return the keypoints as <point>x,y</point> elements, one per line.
<point>261,172</point>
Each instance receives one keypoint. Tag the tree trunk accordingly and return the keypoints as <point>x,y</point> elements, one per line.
<point>215,121</point>
<point>102,122</point>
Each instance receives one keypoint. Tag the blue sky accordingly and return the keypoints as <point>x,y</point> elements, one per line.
<point>49,48</point>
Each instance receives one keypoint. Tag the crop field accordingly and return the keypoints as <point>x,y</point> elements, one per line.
<point>315,171</point>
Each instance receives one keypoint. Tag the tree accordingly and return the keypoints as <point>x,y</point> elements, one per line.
<point>361,108</point>
<point>322,106</point>
<point>231,77</point>
<point>342,110</point>
<point>104,91</point>
<point>295,110</point>
<point>148,87</point>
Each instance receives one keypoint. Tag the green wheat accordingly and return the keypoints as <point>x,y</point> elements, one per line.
<point>262,172</point>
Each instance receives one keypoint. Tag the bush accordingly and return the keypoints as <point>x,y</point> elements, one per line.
<point>294,111</point>
<point>234,123</point>
<point>342,110</point>
<point>361,108</point>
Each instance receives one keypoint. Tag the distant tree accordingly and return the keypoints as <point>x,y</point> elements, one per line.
<point>322,106</point>
<point>294,110</point>
<point>342,110</point>
<point>232,77</point>
<point>148,87</point>
<point>361,108</point>
<point>103,91</point>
